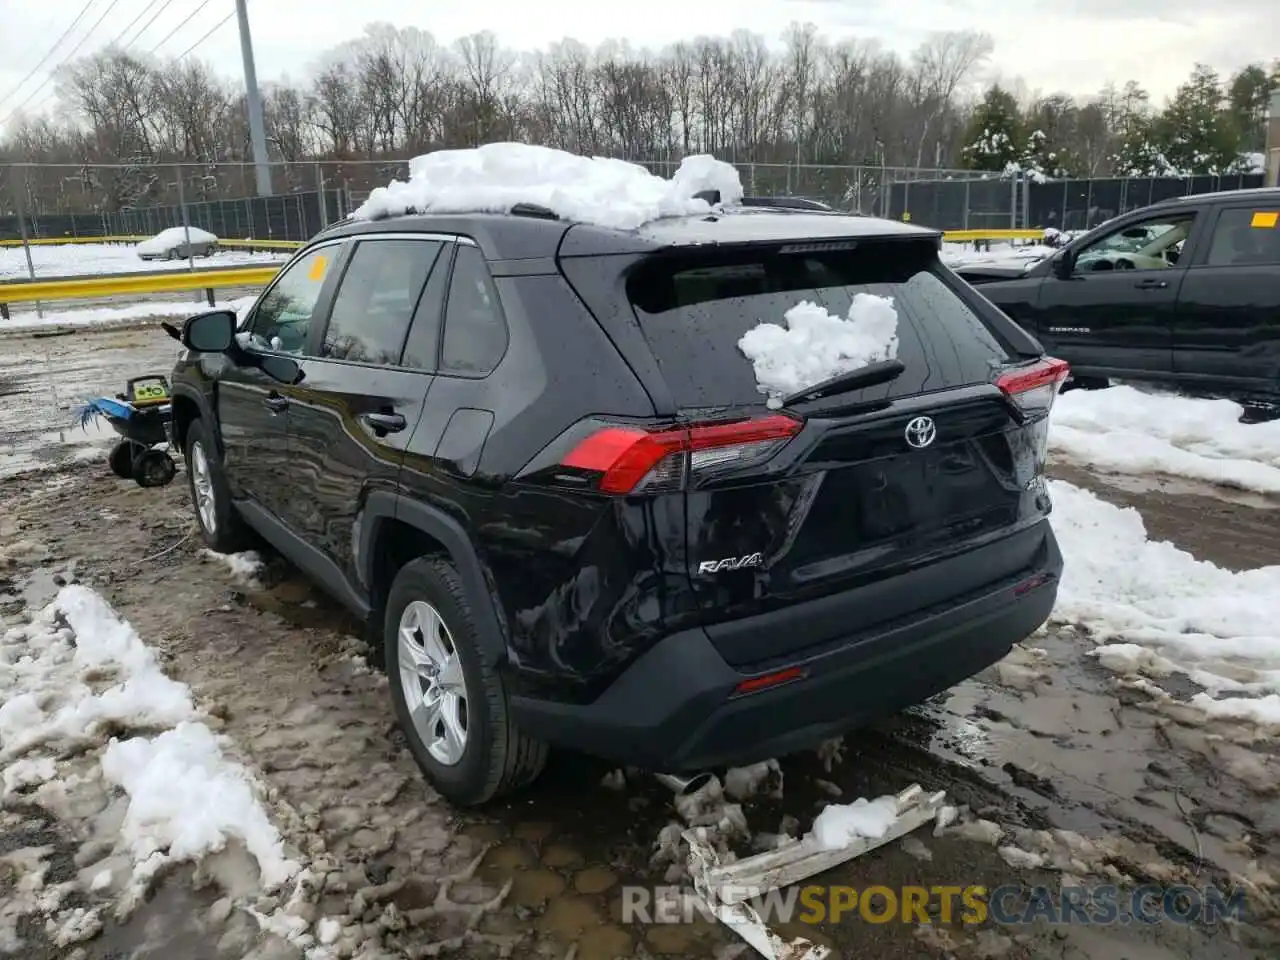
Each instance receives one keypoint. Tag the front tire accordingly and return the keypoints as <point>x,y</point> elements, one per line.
<point>450,703</point>
<point>220,526</point>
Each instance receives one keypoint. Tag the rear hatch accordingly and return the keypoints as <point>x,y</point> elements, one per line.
<point>869,487</point>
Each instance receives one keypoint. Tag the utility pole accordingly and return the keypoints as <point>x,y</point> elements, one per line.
<point>257,129</point>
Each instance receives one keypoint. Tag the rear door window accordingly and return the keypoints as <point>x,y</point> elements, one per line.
<point>694,307</point>
<point>475,330</point>
<point>1245,236</point>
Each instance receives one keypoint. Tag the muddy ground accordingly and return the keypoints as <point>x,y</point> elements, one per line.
<point>1046,740</point>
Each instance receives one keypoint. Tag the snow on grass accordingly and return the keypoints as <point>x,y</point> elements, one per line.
<point>1124,430</point>
<point>95,316</point>
<point>73,679</point>
<point>1157,609</point>
<point>816,345</point>
<point>83,259</point>
<point>495,177</point>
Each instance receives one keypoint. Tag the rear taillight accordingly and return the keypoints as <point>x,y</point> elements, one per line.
<point>1034,388</point>
<point>626,459</point>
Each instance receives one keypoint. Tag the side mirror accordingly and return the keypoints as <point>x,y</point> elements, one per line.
<point>279,368</point>
<point>1063,264</point>
<point>212,332</point>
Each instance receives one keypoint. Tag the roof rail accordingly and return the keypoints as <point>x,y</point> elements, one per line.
<point>785,203</point>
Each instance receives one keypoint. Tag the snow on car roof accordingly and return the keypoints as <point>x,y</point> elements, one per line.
<point>496,177</point>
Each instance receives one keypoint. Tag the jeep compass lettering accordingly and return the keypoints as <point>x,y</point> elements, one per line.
<point>530,453</point>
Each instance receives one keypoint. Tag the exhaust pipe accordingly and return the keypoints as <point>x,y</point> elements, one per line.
<point>683,786</point>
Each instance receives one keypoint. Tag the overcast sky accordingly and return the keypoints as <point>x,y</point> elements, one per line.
<point>1073,45</point>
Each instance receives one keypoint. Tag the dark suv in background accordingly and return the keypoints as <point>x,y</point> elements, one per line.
<point>1185,293</point>
<point>531,455</point>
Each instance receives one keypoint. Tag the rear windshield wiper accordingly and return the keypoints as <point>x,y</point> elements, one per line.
<point>868,376</point>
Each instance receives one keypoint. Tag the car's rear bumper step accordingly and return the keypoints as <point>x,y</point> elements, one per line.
<point>674,709</point>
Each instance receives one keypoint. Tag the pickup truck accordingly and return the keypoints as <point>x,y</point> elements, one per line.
<point>1184,293</point>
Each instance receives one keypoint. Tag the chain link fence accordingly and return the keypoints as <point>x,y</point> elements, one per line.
<point>1018,202</point>
<point>50,201</point>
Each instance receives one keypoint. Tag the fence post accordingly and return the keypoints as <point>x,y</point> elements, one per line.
<point>1013,201</point>
<point>186,221</point>
<point>1026,204</point>
<point>20,205</point>
<point>324,206</point>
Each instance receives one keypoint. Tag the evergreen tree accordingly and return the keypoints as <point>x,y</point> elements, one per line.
<point>1139,152</point>
<point>1196,132</point>
<point>993,138</point>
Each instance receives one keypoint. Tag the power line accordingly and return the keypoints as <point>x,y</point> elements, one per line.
<point>56,43</point>
<point>190,17</point>
<point>216,27</point>
<point>65,60</point>
<point>142,14</point>
<point>145,26</point>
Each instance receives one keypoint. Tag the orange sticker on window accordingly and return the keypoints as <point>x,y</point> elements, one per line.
<point>317,269</point>
<point>1265,219</point>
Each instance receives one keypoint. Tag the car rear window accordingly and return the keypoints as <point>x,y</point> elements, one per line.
<point>694,307</point>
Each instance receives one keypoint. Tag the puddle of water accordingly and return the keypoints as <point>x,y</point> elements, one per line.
<point>1075,751</point>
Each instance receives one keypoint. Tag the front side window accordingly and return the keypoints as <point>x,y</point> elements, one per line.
<point>1245,236</point>
<point>376,299</point>
<point>282,318</point>
<point>1154,244</point>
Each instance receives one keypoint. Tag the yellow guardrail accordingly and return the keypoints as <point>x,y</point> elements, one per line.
<point>174,281</point>
<point>961,236</point>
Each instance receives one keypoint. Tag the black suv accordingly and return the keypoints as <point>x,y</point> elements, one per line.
<point>531,455</point>
<point>1184,293</point>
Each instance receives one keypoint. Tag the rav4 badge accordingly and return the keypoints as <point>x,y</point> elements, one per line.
<point>731,563</point>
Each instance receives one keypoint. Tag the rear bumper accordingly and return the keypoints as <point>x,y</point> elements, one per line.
<point>675,708</point>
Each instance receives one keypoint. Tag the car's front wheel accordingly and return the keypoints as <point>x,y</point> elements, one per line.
<point>220,524</point>
<point>449,701</point>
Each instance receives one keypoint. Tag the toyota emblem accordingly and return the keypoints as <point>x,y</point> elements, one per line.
<point>921,432</point>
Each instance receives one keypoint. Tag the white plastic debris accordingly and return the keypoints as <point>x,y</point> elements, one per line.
<point>724,885</point>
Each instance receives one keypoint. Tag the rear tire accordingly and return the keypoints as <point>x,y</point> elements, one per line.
<point>220,525</point>
<point>428,603</point>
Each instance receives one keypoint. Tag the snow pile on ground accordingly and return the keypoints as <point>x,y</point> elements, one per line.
<point>245,566</point>
<point>1123,430</point>
<point>84,259</point>
<point>1156,609</point>
<point>95,316</point>
<point>72,682</point>
<point>495,177</point>
<point>172,238</point>
<point>816,345</point>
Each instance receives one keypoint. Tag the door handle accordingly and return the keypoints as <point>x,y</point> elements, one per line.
<point>1151,284</point>
<point>276,403</point>
<point>384,423</point>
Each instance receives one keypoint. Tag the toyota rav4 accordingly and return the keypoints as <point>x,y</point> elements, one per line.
<point>531,455</point>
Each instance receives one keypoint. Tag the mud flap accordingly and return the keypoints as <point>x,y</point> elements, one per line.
<point>724,888</point>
